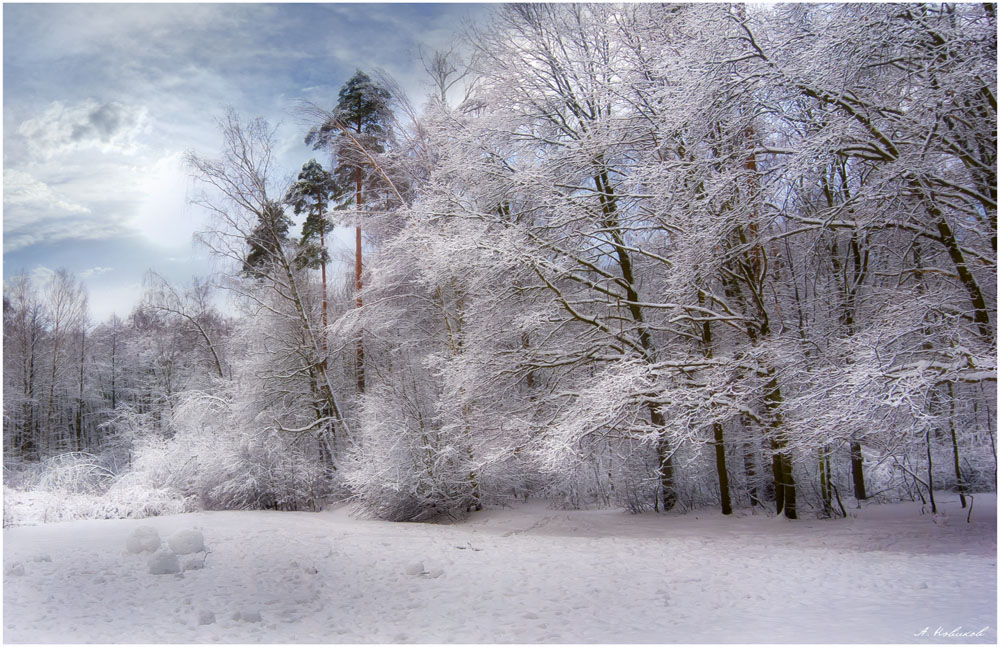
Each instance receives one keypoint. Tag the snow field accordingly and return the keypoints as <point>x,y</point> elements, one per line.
<point>527,574</point>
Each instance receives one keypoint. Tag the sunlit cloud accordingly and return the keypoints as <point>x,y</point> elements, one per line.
<point>164,217</point>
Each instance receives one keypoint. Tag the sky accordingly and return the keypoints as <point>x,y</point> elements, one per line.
<point>102,101</point>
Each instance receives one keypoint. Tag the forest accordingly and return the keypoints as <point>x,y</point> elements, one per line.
<point>654,257</point>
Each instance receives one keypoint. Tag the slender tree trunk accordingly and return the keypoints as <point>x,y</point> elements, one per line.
<point>79,400</point>
<point>322,271</point>
<point>750,470</point>
<point>359,360</point>
<point>717,429</point>
<point>954,443</point>
<point>850,288</point>
<point>609,209</point>
<point>666,462</point>
<point>114,370</point>
<point>323,377</point>
<point>47,438</point>
<point>930,472</point>
<point>784,481</point>
<point>720,468</point>
<point>857,471</point>
<point>824,482</point>
<point>981,313</point>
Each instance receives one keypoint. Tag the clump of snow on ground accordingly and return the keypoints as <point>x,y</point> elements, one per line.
<point>15,568</point>
<point>247,616</point>
<point>184,542</point>
<point>143,540</point>
<point>164,562</point>
<point>526,574</point>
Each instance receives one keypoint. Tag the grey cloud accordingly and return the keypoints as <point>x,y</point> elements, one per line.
<point>103,123</point>
<point>33,228</point>
<point>108,126</point>
<point>107,119</point>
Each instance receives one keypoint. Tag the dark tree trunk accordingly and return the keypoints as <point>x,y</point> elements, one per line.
<point>666,462</point>
<point>930,473</point>
<point>720,468</point>
<point>857,471</point>
<point>750,469</point>
<point>359,360</point>
<point>784,481</point>
<point>954,444</point>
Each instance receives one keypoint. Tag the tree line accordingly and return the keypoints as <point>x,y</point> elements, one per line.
<point>636,255</point>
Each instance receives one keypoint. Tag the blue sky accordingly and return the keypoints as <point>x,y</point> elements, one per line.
<point>101,101</point>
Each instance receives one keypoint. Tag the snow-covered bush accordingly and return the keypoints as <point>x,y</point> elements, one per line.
<point>224,457</point>
<point>33,507</point>
<point>81,485</point>
<point>69,473</point>
<point>404,469</point>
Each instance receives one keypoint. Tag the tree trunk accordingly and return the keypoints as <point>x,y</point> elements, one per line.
<point>857,471</point>
<point>720,468</point>
<point>609,209</point>
<point>981,313</point>
<point>359,359</point>
<point>954,443</point>
<point>750,470</point>
<point>824,482</point>
<point>784,481</point>
<point>930,473</point>
<point>720,445</point>
<point>668,491</point>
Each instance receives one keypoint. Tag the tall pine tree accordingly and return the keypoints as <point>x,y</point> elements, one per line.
<point>314,190</point>
<point>358,128</point>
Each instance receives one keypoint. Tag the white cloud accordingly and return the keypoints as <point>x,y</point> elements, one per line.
<point>94,271</point>
<point>34,213</point>
<point>21,189</point>
<point>41,275</point>
<point>106,126</point>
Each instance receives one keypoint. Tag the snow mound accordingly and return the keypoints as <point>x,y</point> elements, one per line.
<point>164,562</point>
<point>184,542</point>
<point>247,616</point>
<point>194,563</point>
<point>16,568</point>
<point>417,569</point>
<point>42,557</point>
<point>143,540</point>
<point>206,618</point>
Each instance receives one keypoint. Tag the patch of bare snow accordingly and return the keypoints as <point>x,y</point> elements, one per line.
<point>525,574</point>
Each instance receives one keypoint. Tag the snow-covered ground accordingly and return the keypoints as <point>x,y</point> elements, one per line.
<point>525,574</point>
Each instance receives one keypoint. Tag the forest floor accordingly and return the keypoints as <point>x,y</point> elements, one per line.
<point>525,574</point>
